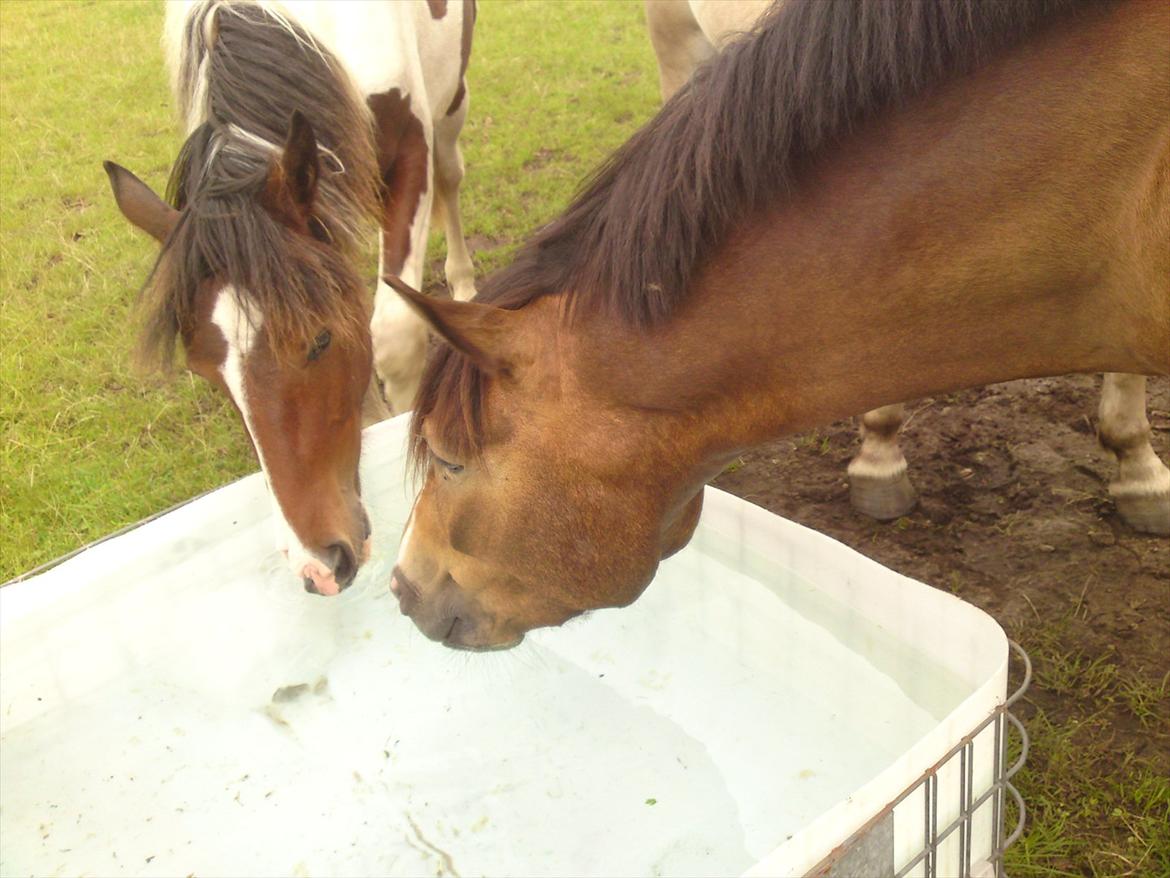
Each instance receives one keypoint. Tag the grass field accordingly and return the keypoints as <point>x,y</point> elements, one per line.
<point>88,444</point>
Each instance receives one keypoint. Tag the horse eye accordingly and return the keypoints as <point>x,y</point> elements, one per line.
<point>453,468</point>
<point>320,343</point>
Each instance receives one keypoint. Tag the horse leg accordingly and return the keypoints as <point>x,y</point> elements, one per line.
<point>374,407</point>
<point>879,485</point>
<point>399,335</point>
<point>1142,487</point>
<point>679,43</point>
<point>448,175</point>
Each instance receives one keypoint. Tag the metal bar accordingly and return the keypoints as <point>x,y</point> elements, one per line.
<point>1019,830</point>
<point>992,717</point>
<point>934,827</point>
<point>1025,743</point>
<point>983,797</point>
<point>1023,687</point>
<point>997,801</point>
<point>966,797</point>
<point>997,855</point>
<point>962,796</point>
<point>944,833</point>
<point>969,803</point>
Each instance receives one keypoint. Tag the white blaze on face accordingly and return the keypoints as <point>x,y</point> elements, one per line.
<point>404,546</point>
<point>400,562</point>
<point>239,333</point>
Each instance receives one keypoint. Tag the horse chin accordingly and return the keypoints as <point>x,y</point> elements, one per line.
<point>466,635</point>
<point>492,647</point>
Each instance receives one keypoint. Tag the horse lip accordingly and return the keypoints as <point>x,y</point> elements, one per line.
<point>497,647</point>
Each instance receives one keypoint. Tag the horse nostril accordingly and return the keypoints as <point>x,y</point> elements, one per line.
<point>409,597</point>
<point>345,565</point>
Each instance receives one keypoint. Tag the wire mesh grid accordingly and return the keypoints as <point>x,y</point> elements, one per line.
<point>972,840</point>
<point>1000,721</point>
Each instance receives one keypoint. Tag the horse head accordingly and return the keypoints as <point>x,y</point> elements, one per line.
<point>268,310</point>
<point>555,503</point>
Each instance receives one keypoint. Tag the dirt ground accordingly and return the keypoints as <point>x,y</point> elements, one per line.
<point>1014,516</point>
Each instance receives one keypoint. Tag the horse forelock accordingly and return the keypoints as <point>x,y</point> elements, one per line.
<point>243,71</point>
<point>453,389</point>
<point>450,399</point>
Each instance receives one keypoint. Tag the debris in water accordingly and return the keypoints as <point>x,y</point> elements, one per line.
<point>289,693</point>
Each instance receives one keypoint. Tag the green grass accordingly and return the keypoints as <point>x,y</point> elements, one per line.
<point>1096,783</point>
<point>89,445</point>
<point>1089,812</point>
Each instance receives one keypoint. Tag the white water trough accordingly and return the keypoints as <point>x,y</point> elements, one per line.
<point>172,703</point>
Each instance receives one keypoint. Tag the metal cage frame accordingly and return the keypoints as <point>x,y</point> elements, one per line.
<point>853,859</point>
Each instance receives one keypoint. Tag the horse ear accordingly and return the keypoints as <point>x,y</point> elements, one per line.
<point>139,204</point>
<point>483,332</point>
<point>300,165</point>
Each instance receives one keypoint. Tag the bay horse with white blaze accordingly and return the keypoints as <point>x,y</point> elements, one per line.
<point>687,33</point>
<point>861,203</point>
<point>310,124</point>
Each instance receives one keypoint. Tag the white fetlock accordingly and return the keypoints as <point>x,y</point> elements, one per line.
<point>460,277</point>
<point>1142,487</point>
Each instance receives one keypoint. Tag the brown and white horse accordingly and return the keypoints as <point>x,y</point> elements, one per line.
<point>309,124</point>
<point>687,33</point>
<point>859,204</point>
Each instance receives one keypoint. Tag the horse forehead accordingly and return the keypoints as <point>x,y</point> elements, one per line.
<point>238,322</point>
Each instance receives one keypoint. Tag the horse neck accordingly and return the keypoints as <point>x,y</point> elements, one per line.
<point>985,234</point>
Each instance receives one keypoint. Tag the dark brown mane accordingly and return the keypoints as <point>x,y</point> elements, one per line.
<point>245,85</point>
<point>730,142</point>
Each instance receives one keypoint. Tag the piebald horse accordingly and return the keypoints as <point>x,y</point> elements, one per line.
<point>309,125</point>
<point>687,33</point>
<point>860,203</point>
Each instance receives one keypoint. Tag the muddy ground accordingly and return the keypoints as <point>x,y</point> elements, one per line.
<point>1014,516</point>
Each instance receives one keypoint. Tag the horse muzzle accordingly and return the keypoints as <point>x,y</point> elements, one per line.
<point>337,566</point>
<point>445,615</point>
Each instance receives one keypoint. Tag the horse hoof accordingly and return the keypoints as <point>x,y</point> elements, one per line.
<point>1146,513</point>
<point>883,499</point>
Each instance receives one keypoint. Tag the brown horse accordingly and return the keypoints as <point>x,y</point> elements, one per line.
<point>260,273</point>
<point>861,203</point>
<point>687,33</point>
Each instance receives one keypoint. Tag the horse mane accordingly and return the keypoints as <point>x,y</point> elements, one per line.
<point>729,143</point>
<point>242,72</point>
